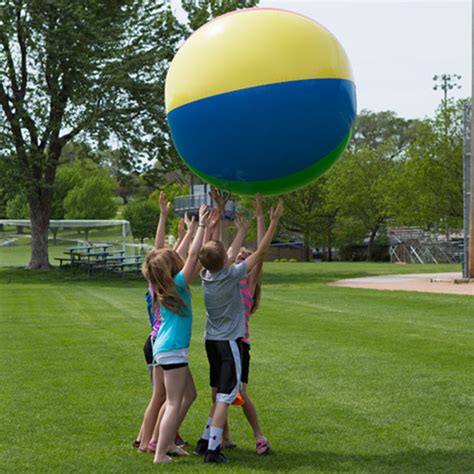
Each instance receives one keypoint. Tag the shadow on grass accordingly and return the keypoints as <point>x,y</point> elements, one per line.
<point>415,460</point>
<point>64,276</point>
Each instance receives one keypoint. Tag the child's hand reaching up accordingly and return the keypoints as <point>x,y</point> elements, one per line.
<point>164,206</point>
<point>220,199</point>
<point>204,215</point>
<point>241,222</point>
<point>276,213</point>
<point>189,222</point>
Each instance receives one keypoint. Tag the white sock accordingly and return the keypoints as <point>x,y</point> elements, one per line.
<point>215,438</point>
<point>207,429</point>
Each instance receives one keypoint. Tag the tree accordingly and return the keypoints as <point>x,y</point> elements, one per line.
<point>92,200</point>
<point>143,218</point>
<point>93,69</point>
<point>201,11</point>
<point>306,216</point>
<point>72,175</point>
<point>373,129</point>
<point>357,192</point>
<point>427,190</point>
<point>17,208</point>
<point>171,191</point>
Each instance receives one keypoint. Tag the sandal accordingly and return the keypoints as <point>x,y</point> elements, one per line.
<point>166,460</point>
<point>228,444</point>
<point>180,441</point>
<point>262,447</point>
<point>178,452</point>
<point>136,443</point>
<point>151,448</point>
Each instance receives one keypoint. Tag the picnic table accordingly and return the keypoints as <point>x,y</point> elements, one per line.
<point>95,259</point>
<point>123,263</point>
<point>75,254</point>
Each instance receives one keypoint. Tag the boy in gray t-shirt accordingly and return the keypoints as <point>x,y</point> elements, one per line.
<point>225,326</point>
<point>224,306</point>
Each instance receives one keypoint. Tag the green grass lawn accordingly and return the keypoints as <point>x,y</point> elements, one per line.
<point>344,379</point>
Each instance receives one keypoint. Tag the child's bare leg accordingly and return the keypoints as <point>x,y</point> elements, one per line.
<point>226,434</point>
<point>188,397</point>
<point>251,413</point>
<point>175,383</point>
<point>156,429</point>
<point>151,412</point>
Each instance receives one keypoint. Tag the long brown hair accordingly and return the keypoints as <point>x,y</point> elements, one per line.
<point>160,268</point>
<point>256,297</point>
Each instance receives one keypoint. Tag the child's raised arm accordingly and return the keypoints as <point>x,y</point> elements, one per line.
<point>192,259</point>
<point>213,228</point>
<point>255,274</point>
<point>220,199</point>
<point>275,215</point>
<point>182,248</point>
<point>181,234</point>
<point>161,228</point>
<point>260,218</point>
<point>242,225</point>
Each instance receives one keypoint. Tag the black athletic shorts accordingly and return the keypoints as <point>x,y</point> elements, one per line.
<point>225,364</point>
<point>148,350</point>
<point>173,366</point>
<point>245,362</point>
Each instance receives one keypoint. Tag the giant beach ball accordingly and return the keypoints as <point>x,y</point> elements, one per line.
<point>260,100</point>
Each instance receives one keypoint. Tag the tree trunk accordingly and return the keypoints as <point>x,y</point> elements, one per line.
<point>370,246</point>
<point>329,243</point>
<point>39,233</point>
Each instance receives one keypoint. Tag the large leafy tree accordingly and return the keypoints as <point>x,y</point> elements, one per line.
<point>358,187</point>
<point>143,217</point>
<point>201,11</point>
<point>92,69</point>
<point>93,199</point>
<point>357,194</point>
<point>427,190</point>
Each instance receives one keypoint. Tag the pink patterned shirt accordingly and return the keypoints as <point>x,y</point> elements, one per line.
<point>157,315</point>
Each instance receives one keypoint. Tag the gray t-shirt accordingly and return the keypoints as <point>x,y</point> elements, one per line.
<point>223,302</point>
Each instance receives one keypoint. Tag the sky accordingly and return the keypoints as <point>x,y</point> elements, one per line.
<point>396,47</point>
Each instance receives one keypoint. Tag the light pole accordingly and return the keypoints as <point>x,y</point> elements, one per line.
<point>446,82</point>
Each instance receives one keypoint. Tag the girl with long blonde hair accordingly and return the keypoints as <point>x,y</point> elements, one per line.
<point>170,277</point>
<point>146,440</point>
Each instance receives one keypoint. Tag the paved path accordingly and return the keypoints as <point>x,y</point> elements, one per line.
<point>425,282</point>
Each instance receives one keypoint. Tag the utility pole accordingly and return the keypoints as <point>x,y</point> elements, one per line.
<point>470,251</point>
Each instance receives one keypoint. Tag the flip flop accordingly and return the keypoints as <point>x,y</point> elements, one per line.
<point>151,448</point>
<point>136,443</point>
<point>178,452</point>
<point>228,445</point>
<point>167,460</point>
<point>262,447</point>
